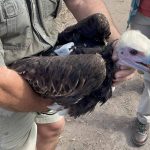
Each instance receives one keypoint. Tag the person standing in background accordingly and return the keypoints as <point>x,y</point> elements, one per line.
<point>139,19</point>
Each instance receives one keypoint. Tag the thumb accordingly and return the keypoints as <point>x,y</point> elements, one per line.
<point>115,55</point>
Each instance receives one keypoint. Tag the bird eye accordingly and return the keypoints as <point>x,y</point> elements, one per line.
<point>133,52</point>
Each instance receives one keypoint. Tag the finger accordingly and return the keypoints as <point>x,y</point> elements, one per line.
<point>124,73</point>
<point>48,101</point>
<point>114,44</point>
<point>124,78</point>
<point>116,83</point>
<point>114,56</point>
<point>44,105</point>
<point>125,68</point>
<point>119,81</point>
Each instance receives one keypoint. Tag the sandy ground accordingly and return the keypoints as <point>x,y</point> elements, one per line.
<point>109,127</point>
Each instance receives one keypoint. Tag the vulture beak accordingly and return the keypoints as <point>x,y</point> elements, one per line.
<point>134,59</point>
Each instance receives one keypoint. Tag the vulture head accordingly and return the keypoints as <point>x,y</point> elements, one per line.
<point>133,49</point>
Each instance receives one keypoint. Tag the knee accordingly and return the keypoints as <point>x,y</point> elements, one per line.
<point>51,130</point>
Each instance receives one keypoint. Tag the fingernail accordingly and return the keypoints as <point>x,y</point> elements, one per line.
<point>118,76</point>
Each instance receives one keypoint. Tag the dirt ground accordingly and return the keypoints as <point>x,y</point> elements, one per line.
<point>109,127</point>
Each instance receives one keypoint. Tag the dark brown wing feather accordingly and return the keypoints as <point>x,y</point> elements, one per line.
<point>63,79</point>
<point>104,91</point>
<point>91,31</point>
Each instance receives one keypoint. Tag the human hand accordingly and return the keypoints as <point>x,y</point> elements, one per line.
<point>35,105</point>
<point>123,73</point>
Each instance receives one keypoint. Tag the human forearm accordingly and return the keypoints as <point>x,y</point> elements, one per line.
<point>84,8</point>
<point>15,93</point>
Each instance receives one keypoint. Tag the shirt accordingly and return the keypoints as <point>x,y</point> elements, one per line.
<point>27,28</point>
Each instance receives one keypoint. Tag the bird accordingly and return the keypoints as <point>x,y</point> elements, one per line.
<point>133,50</point>
<point>75,83</point>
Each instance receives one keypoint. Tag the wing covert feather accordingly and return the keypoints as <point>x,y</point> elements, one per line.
<point>63,79</point>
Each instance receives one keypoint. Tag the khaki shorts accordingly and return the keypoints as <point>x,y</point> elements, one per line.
<point>19,132</point>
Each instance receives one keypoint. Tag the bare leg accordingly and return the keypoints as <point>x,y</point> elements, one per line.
<point>48,134</point>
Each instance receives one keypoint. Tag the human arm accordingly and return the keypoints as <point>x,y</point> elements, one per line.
<point>16,94</point>
<point>83,8</point>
